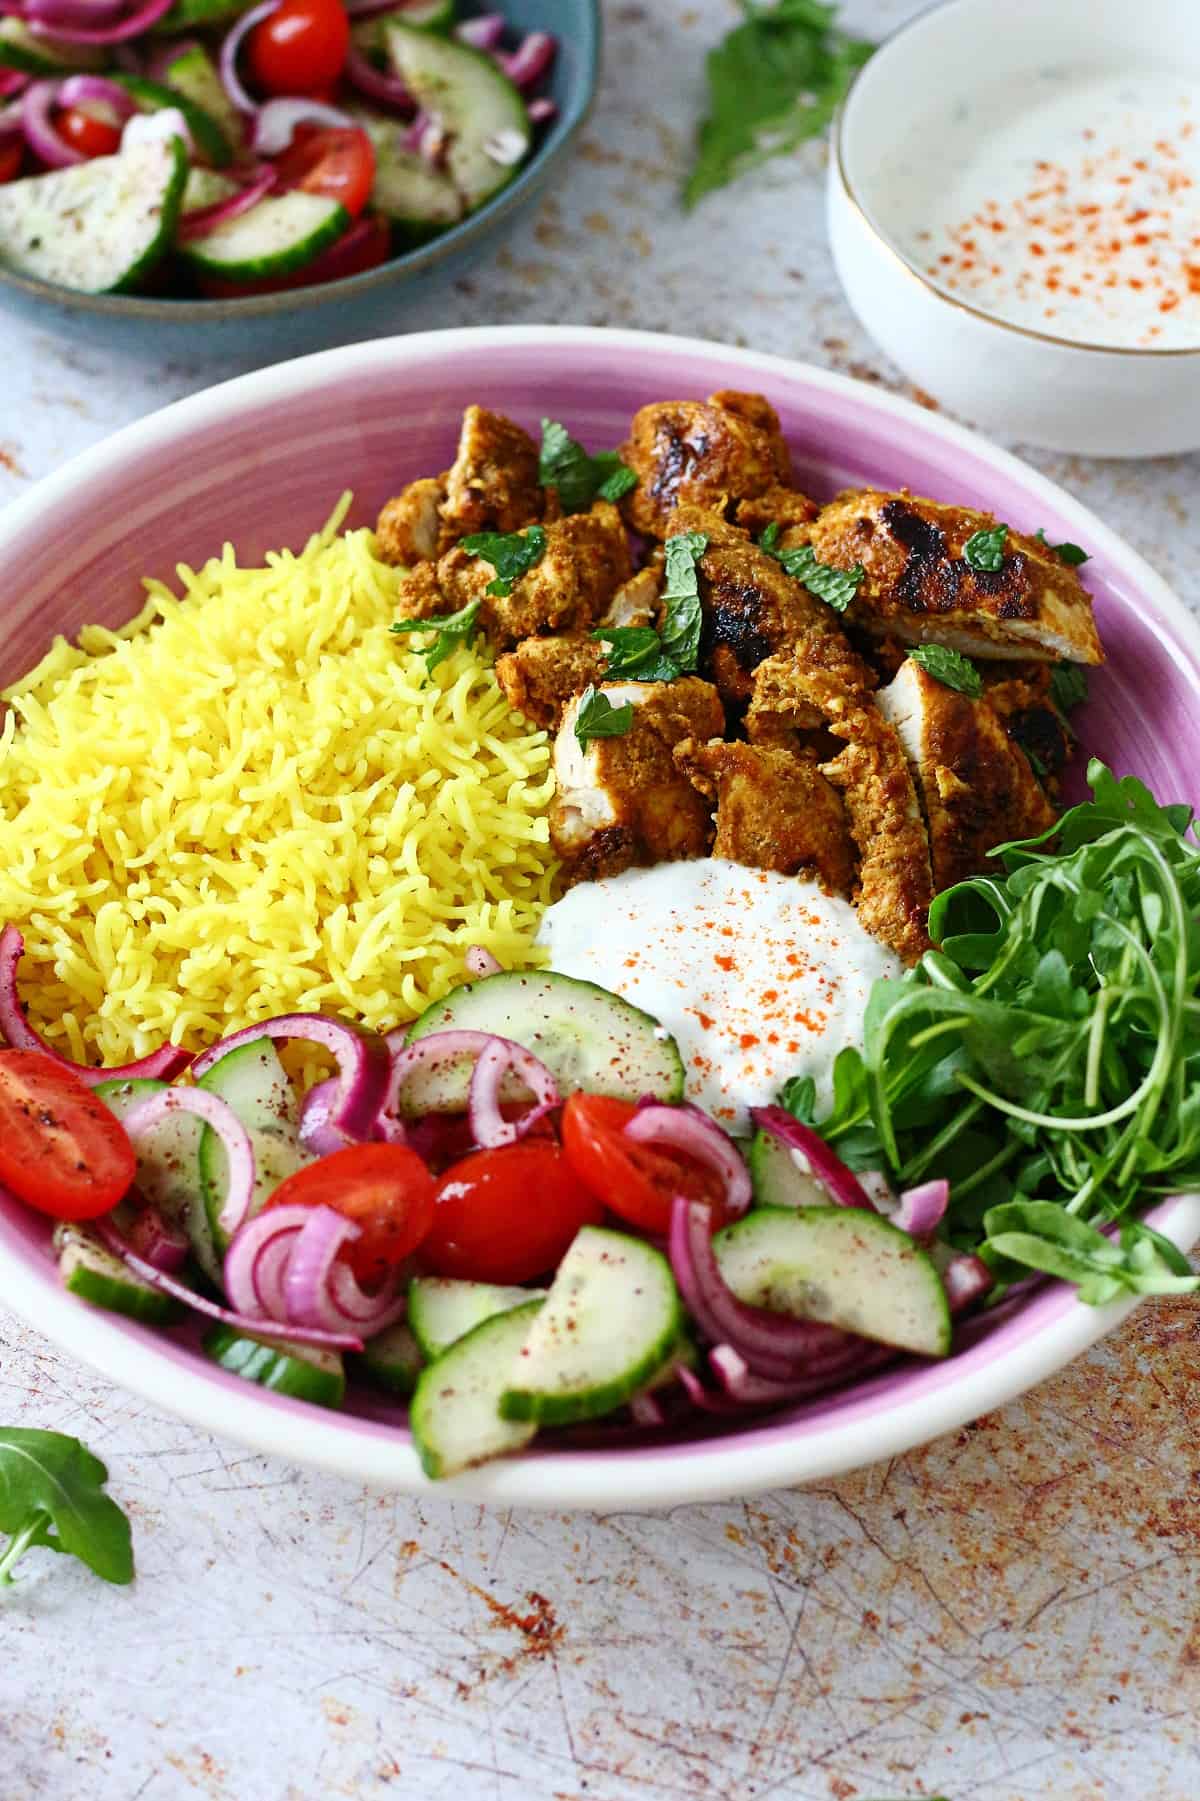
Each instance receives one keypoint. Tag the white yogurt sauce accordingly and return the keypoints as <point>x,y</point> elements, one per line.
<point>1065,201</point>
<point>758,976</point>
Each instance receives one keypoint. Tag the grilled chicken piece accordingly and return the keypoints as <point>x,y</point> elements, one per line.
<point>585,562</point>
<point>621,801</point>
<point>775,810</point>
<point>785,507</point>
<point>493,484</point>
<point>409,527</point>
<point>709,454</point>
<point>919,588</point>
<point>1020,696</point>
<point>636,601</point>
<point>977,787</point>
<point>752,608</point>
<point>542,675</point>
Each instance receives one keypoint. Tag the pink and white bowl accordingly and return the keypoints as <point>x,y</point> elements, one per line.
<point>260,461</point>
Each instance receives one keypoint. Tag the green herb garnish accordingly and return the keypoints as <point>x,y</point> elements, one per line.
<point>1046,1060</point>
<point>1068,686</point>
<point>776,80</point>
<point>52,1494</point>
<point>511,554</point>
<point>985,549</point>
<point>681,599</point>
<point>836,587</point>
<point>598,718</point>
<point>769,538</point>
<point>579,478</point>
<point>1065,552</point>
<point>451,630</point>
<point>949,667</point>
<point>636,651</point>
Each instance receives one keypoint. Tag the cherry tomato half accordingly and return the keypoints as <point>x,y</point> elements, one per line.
<point>86,132</point>
<point>337,161</point>
<point>637,1181</point>
<point>10,161</point>
<point>507,1215</point>
<point>384,1188</point>
<point>61,1150</point>
<point>300,48</point>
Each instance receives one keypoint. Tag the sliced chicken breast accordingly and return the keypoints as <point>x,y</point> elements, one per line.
<point>775,810</point>
<point>409,527</point>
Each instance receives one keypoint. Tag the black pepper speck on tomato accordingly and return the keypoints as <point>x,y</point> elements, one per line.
<point>61,1150</point>
<point>507,1215</point>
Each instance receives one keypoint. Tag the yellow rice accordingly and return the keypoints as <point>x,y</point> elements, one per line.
<point>252,799</point>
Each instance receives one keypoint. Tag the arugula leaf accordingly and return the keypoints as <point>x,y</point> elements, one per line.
<point>1066,552</point>
<point>598,718</point>
<point>1068,686</point>
<point>799,1096</point>
<point>51,1494</point>
<point>636,651</point>
<point>985,549</point>
<point>681,599</point>
<point>579,478</point>
<point>949,667</point>
<point>451,630</point>
<point>776,80</point>
<point>511,554</point>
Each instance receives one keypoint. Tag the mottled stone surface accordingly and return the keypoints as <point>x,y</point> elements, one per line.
<point>1012,1614</point>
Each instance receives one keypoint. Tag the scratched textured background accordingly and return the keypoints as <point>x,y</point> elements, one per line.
<point>1012,1614</point>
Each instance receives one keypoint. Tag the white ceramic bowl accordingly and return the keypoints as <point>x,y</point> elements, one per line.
<point>1020,383</point>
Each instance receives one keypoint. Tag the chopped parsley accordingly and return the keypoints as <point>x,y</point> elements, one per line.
<point>511,554</point>
<point>578,478</point>
<point>836,587</point>
<point>1066,552</point>
<point>1068,686</point>
<point>681,600</point>
<point>637,651</point>
<point>949,667</point>
<point>598,718</point>
<point>985,549</point>
<point>451,630</point>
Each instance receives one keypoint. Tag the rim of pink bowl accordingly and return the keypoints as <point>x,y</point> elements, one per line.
<point>827,1437</point>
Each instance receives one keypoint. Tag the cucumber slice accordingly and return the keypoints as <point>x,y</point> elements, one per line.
<point>429,15</point>
<point>455,1417</point>
<point>481,110</point>
<point>303,1371</point>
<point>587,1038</point>
<point>167,1167</point>
<point>207,135</point>
<point>251,1080</point>
<point>418,199</point>
<point>280,234</point>
<point>842,1266</point>
<point>441,1310</point>
<point>193,74</point>
<point>780,1177</point>
<point>393,1360</point>
<point>22,50</point>
<point>97,227</point>
<point>187,15</point>
<point>96,1276</point>
<point>610,1321</point>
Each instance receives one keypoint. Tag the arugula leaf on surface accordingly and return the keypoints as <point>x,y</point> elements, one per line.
<point>451,630</point>
<point>52,1494</point>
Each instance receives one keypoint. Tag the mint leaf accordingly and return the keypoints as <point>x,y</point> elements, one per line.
<point>636,651</point>
<point>836,587</point>
<point>1066,552</point>
<point>949,667</point>
<point>51,1494</point>
<point>598,718</point>
<point>511,554</point>
<point>769,538</point>
<point>451,630</point>
<point>682,612</point>
<point>580,479</point>
<point>985,549</point>
<point>1068,686</point>
<point>773,82</point>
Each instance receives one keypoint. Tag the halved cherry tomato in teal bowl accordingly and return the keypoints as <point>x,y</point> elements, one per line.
<point>385,1189</point>
<point>336,160</point>
<point>11,157</point>
<point>637,1182</point>
<point>300,49</point>
<point>86,132</point>
<point>61,1150</point>
<point>507,1215</point>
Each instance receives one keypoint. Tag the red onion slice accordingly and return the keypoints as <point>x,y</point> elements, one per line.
<point>364,1066</point>
<point>252,1323</point>
<point>647,1410</point>
<point>205,219</point>
<point>483,33</point>
<point>389,90</point>
<point>773,1344</point>
<point>276,122</point>
<point>231,45</point>
<point>542,110</point>
<point>435,1049</point>
<point>131,26</point>
<point>218,1115</point>
<point>63,14</point>
<point>697,1136</point>
<point>11,82</point>
<point>37,117</point>
<point>80,90</point>
<point>254,1268</point>
<point>920,1210</point>
<point>488,1125</point>
<point>531,60</point>
<point>966,1279</point>
<point>740,1383</point>
<point>316,1133</point>
<point>157,1240</point>
<point>320,1291</point>
<point>480,962</point>
<point>160,1065</point>
<point>845,1189</point>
